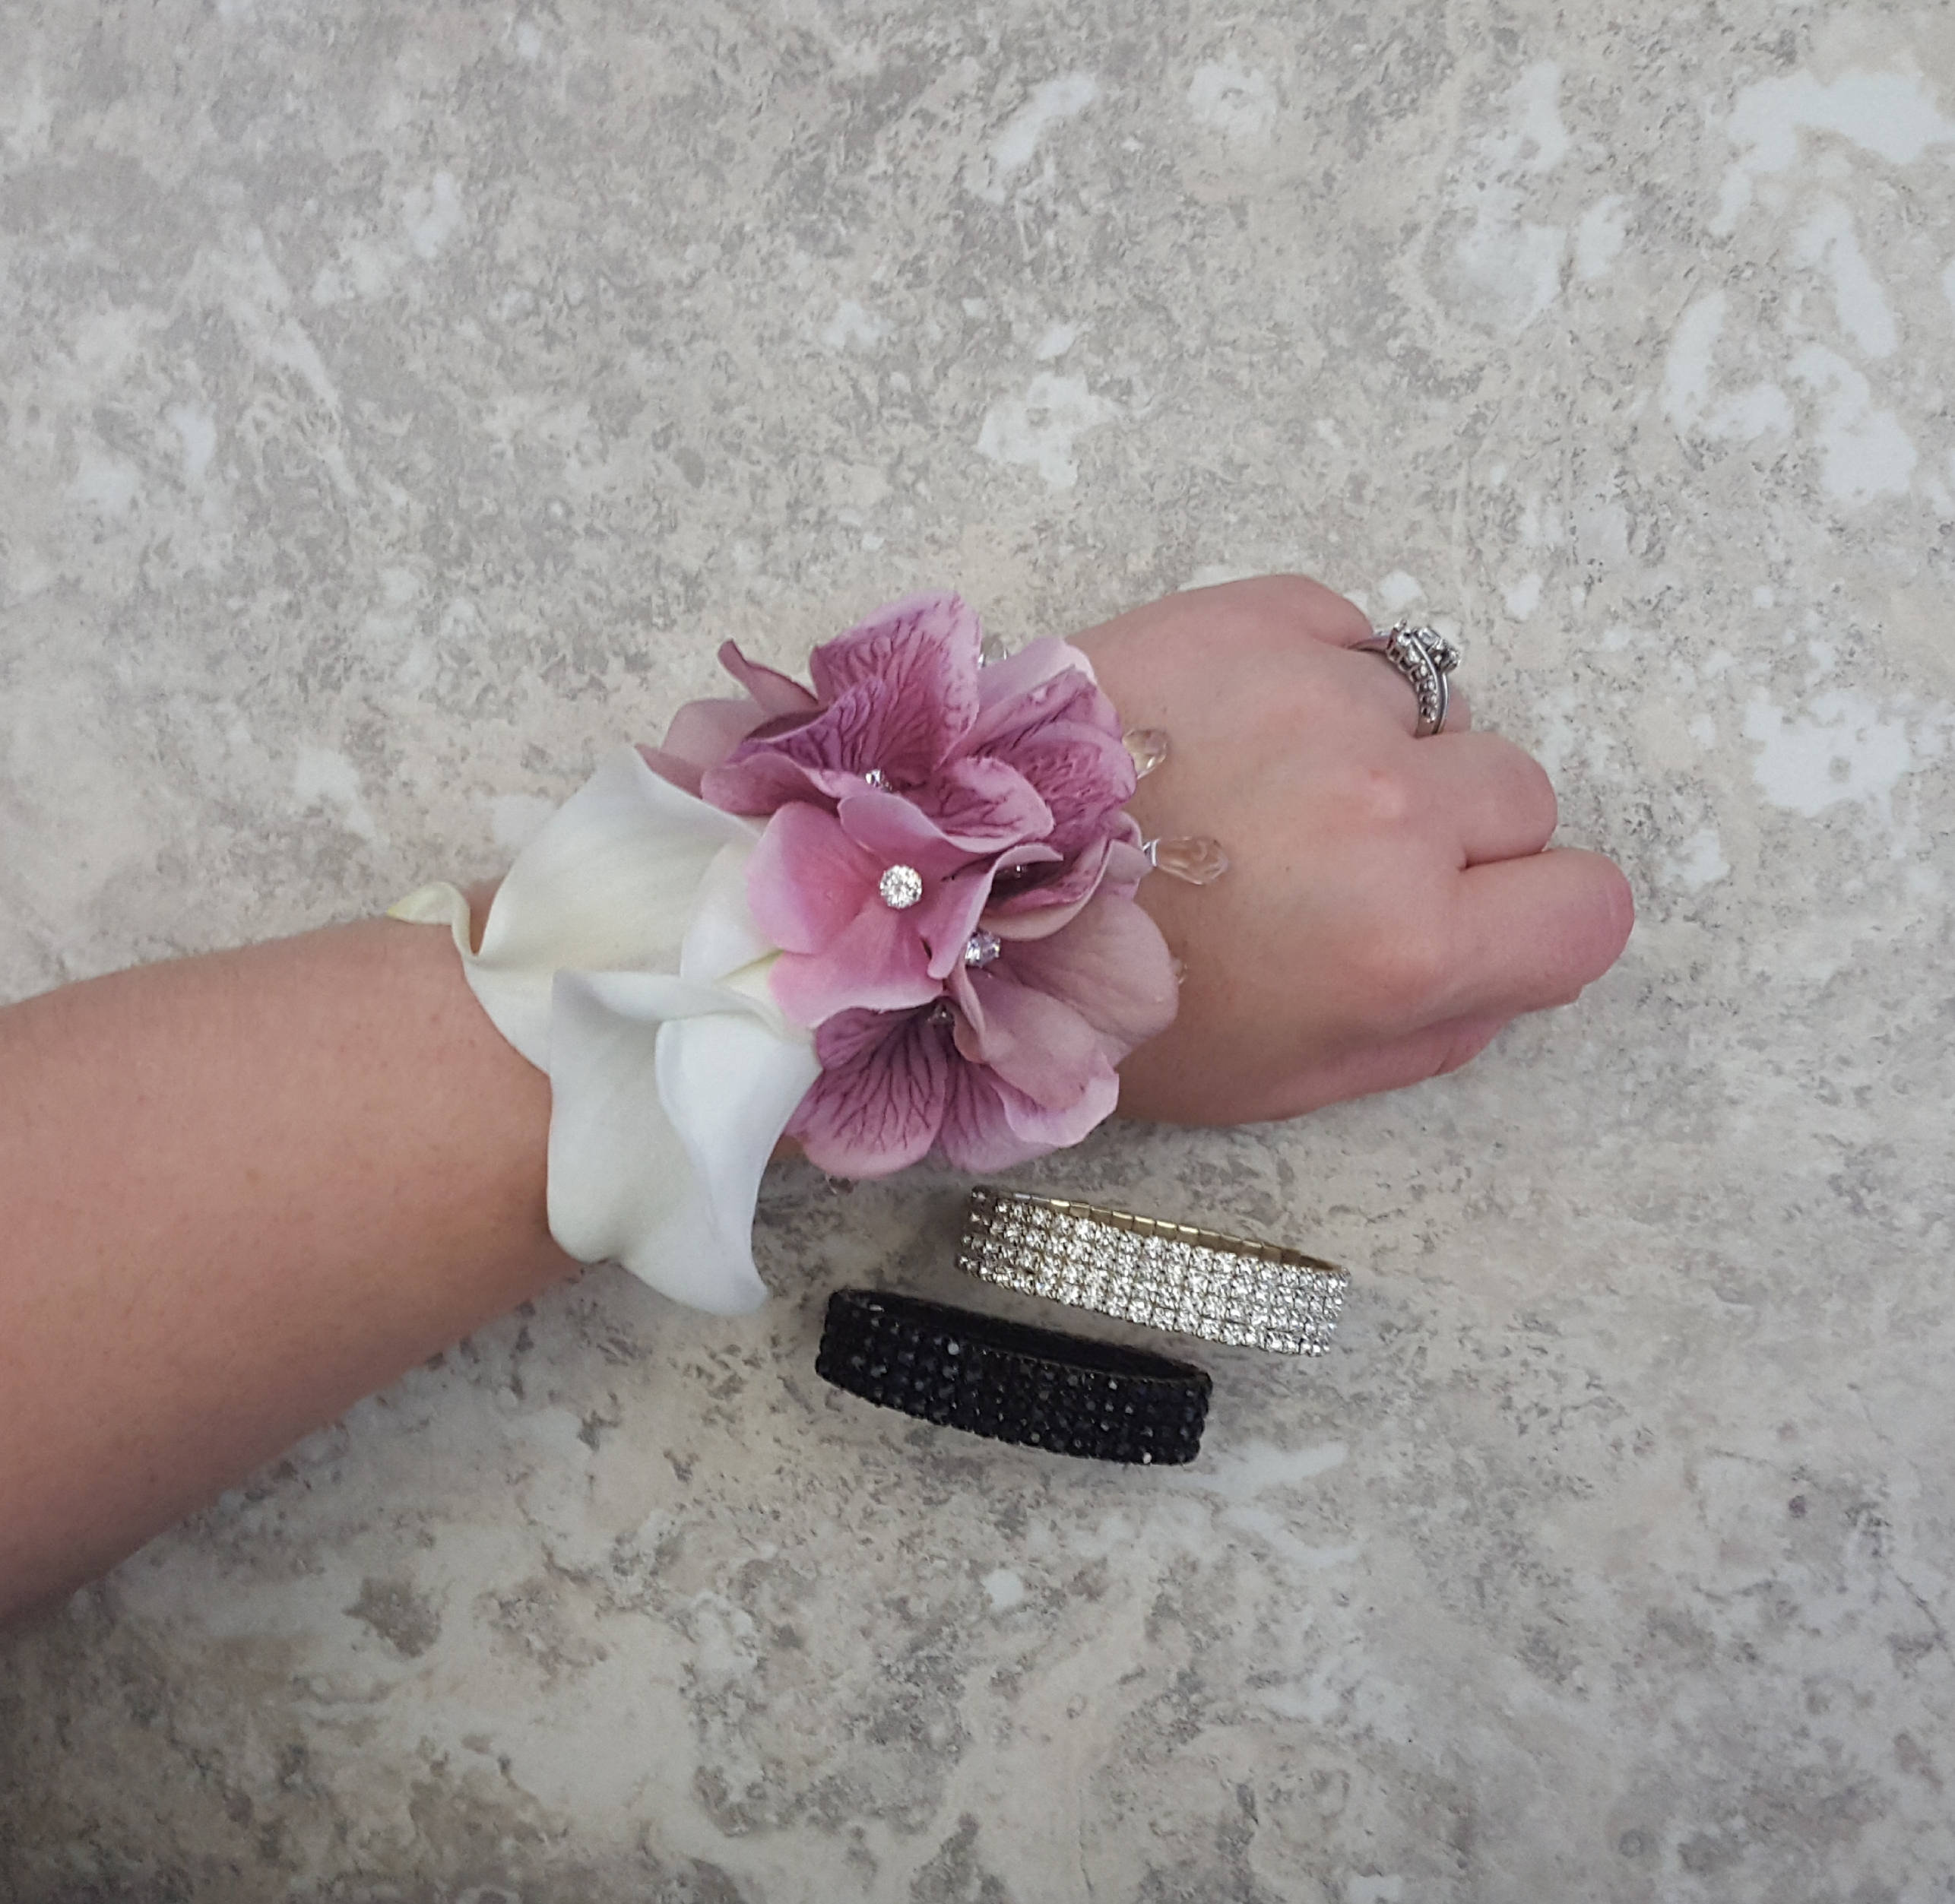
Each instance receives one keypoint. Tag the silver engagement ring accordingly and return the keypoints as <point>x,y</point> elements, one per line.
<point>1425,657</point>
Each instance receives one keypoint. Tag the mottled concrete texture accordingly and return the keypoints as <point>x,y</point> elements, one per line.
<point>400,402</point>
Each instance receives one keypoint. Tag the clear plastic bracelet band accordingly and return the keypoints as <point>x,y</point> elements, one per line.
<point>1167,1275</point>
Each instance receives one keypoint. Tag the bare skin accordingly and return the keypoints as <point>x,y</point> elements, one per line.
<point>239,1193</point>
<point>1389,906</point>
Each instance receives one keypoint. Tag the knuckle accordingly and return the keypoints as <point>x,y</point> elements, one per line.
<point>1384,796</point>
<point>1289,597</point>
<point>1537,796</point>
<point>1525,792</point>
<point>1462,1046</point>
<point>1621,902</point>
<point>1291,603</point>
<point>1564,994</point>
<point>1405,965</point>
<point>1598,931</point>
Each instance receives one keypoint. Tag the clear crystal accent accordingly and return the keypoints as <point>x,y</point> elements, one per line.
<point>901,887</point>
<point>875,779</point>
<point>981,948</point>
<point>1199,861</point>
<point>1148,746</point>
<point>1181,966</point>
<point>992,648</point>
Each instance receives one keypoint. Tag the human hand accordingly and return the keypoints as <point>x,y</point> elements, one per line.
<point>1389,907</point>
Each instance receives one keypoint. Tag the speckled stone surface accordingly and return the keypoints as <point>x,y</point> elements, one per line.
<point>399,403</point>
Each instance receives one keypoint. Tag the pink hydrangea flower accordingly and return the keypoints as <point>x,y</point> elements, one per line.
<point>704,733</point>
<point>1020,1059</point>
<point>946,864</point>
<point>1025,752</point>
<point>872,904</point>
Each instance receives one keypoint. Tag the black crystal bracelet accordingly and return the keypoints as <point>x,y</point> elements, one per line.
<point>1034,1387</point>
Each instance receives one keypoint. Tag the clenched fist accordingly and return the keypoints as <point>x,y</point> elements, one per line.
<point>1391,901</point>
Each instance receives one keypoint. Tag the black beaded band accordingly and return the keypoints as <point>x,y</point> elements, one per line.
<point>1033,1386</point>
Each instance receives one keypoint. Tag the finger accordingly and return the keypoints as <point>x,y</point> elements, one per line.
<point>1532,932</point>
<point>1403,697</point>
<point>1498,799</point>
<point>1384,688</point>
<point>1385,685</point>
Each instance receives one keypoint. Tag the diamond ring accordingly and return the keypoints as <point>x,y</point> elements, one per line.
<point>1425,657</point>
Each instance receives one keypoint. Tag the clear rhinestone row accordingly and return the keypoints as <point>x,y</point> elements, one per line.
<point>1164,1274</point>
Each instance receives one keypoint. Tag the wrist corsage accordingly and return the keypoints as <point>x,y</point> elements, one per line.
<point>892,915</point>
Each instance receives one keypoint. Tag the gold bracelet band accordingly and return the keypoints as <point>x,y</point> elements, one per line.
<point>1222,1288</point>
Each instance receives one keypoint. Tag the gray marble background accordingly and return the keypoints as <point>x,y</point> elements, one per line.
<point>401,400</point>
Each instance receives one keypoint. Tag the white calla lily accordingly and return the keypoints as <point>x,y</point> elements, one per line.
<point>619,957</point>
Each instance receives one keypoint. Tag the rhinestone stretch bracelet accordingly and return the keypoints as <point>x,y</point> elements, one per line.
<point>1035,1387</point>
<point>1222,1288</point>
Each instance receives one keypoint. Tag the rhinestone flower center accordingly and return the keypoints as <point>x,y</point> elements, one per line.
<point>901,887</point>
<point>981,948</point>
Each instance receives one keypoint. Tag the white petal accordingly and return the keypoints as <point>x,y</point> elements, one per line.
<point>669,1090</point>
<point>669,1097</point>
<point>722,937</point>
<point>437,904</point>
<point>609,884</point>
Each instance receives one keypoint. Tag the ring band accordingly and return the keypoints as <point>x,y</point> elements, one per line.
<point>1167,1275</point>
<point>1425,657</point>
<point>1034,1387</point>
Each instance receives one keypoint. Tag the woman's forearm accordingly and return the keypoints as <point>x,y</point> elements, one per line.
<point>237,1194</point>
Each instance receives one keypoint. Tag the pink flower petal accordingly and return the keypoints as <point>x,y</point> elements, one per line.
<point>1071,694</point>
<point>775,693</point>
<point>849,1036</point>
<point>1082,774</point>
<point>949,914</point>
<point>899,832</point>
<point>707,732</point>
<point>985,804</point>
<point>879,1103</point>
<point>1032,666</point>
<point>682,773</point>
<point>923,651</point>
<point>829,756</point>
<point>1057,1127</point>
<point>917,641</point>
<point>988,1125</point>
<point>1127,864</point>
<point>1034,1042</point>
<point>754,782</point>
<point>846,738</point>
<point>1042,906</point>
<point>1028,861</point>
<point>807,879</point>
<point>877,963</point>
<point>1111,967</point>
<point>759,780</point>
